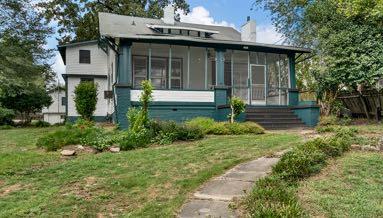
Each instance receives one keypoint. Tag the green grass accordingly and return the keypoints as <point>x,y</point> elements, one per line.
<point>150,182</point>
<point>350,186</point>
<point>18,151</point>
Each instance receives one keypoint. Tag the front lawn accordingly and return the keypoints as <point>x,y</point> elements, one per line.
<point>153,181</point>
<point>351,186</point>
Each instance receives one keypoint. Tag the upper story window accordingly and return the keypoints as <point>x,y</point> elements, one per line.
<point>84,56</point>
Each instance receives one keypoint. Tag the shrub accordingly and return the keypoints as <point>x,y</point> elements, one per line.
<point>204,123</point>
<point>169,131</point>
<point>4,127</point>
<point>71,135</point>
<point>86,99</point>
<point>131,140</point>
<point>301,162</point>
<point>244,128</point>
<point>83,124</point>
<point>333,120</point>
<point>41,123</point>
<point>98,139</point>
<point>237,106</point>
<point>6,116</point>
<point>139,118</point>
<point>273,197</point>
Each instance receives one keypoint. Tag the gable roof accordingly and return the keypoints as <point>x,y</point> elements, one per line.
<point>143,29</point>
<point>114,25</point>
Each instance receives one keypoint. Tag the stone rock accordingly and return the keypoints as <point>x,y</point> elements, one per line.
<point>68,152</point>
<point>370,148</point>
<point>80,147</point>
<point>114,149</point>
<point>356,147</point>
<point>380,144</point>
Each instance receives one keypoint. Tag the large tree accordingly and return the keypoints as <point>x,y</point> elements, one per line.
<point>77,20</point>
<point>345,35</point>
<point>24,59</point>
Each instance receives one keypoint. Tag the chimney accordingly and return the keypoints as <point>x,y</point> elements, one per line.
<point>248,31</point>
<point>169,15</point>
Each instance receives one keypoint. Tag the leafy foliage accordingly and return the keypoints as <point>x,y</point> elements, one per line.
<point>78,20</point>
<point>237,106</point>
<point>209,126</point>
<point>345,36</point>
<point>25,100</point>
<point>86,99</point>
<point>275,196</point>
<point>139,118</point>
<point>6,116</point>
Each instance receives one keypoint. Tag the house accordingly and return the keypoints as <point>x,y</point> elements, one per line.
<point>56,112</point>
<point>194,69</point>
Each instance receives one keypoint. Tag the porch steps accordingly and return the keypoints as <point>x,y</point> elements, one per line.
<point>274,118</point>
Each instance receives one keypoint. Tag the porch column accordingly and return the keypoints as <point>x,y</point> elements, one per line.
<point>124,83</point>
<point>293,91</point>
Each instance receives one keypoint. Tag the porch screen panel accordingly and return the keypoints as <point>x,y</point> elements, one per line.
<point>211,68</point>
<point>159,66</point>
<point>284,79</point>
<point>197,68</point>
<point>272,97</point>
<point>240,75</point>
<point>139,63</point>
<point>179,67</point>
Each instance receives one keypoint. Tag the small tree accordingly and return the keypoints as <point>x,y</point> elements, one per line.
<point>86,99</point>
<point>140,118</point>
<point>25,99</point>
<point>237,106</point>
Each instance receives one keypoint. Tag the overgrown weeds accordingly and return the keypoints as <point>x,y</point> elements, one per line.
<point>275,196</point>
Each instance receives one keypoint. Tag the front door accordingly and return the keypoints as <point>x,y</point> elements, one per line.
<point>258,85</point>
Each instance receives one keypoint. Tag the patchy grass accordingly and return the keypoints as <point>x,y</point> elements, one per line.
<point>150,182</point>
<point>350,186</point>
<point>18,151</point>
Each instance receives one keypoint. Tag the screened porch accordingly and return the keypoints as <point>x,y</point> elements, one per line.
<point>258,78</point>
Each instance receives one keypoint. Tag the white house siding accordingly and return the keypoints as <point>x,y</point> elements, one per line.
<point>103,107</point>
<point>176,96</point>
<point>53,113</point>
<point>98,60</point>
<point>101,63</point>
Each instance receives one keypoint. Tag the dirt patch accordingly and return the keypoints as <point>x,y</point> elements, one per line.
<point>84,189</point>
<point>9,189</point>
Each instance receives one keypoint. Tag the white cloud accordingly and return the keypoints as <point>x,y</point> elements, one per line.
<point>58,67</point>
<point>201,15</point>
<point>268,34</point>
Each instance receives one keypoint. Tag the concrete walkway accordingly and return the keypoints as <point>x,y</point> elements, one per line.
<point>214,197</point>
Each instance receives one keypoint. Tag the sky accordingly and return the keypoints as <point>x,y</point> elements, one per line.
<point>212,12</point>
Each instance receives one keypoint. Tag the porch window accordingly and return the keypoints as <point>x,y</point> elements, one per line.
<point>158,72</point>
<point>139,70</point>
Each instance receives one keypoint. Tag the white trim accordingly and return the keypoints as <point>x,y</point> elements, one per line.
<point>188,70</point>
<point>206,85</point>
<point>258,102</point>
<point>176,96</point>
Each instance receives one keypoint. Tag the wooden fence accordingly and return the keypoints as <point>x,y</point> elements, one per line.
<point>369,101</point>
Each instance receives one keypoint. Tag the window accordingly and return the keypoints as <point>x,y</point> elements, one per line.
<point>108,94</point>
<point>139,70</point>
<point>86,79</point>
<point>63,101</point>
<point>159,72</point>
<point>84,56</point>
<point>176,77</point>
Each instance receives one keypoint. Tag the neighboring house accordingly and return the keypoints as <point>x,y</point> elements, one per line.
<point>55,113</point>
<point>193,68</point>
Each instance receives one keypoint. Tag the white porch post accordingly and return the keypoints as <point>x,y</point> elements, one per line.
<point>249,78</point>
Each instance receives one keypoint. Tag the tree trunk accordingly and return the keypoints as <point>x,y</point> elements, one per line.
<point>232,114</point>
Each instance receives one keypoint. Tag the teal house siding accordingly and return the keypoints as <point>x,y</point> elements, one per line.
<point>124,83</point>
